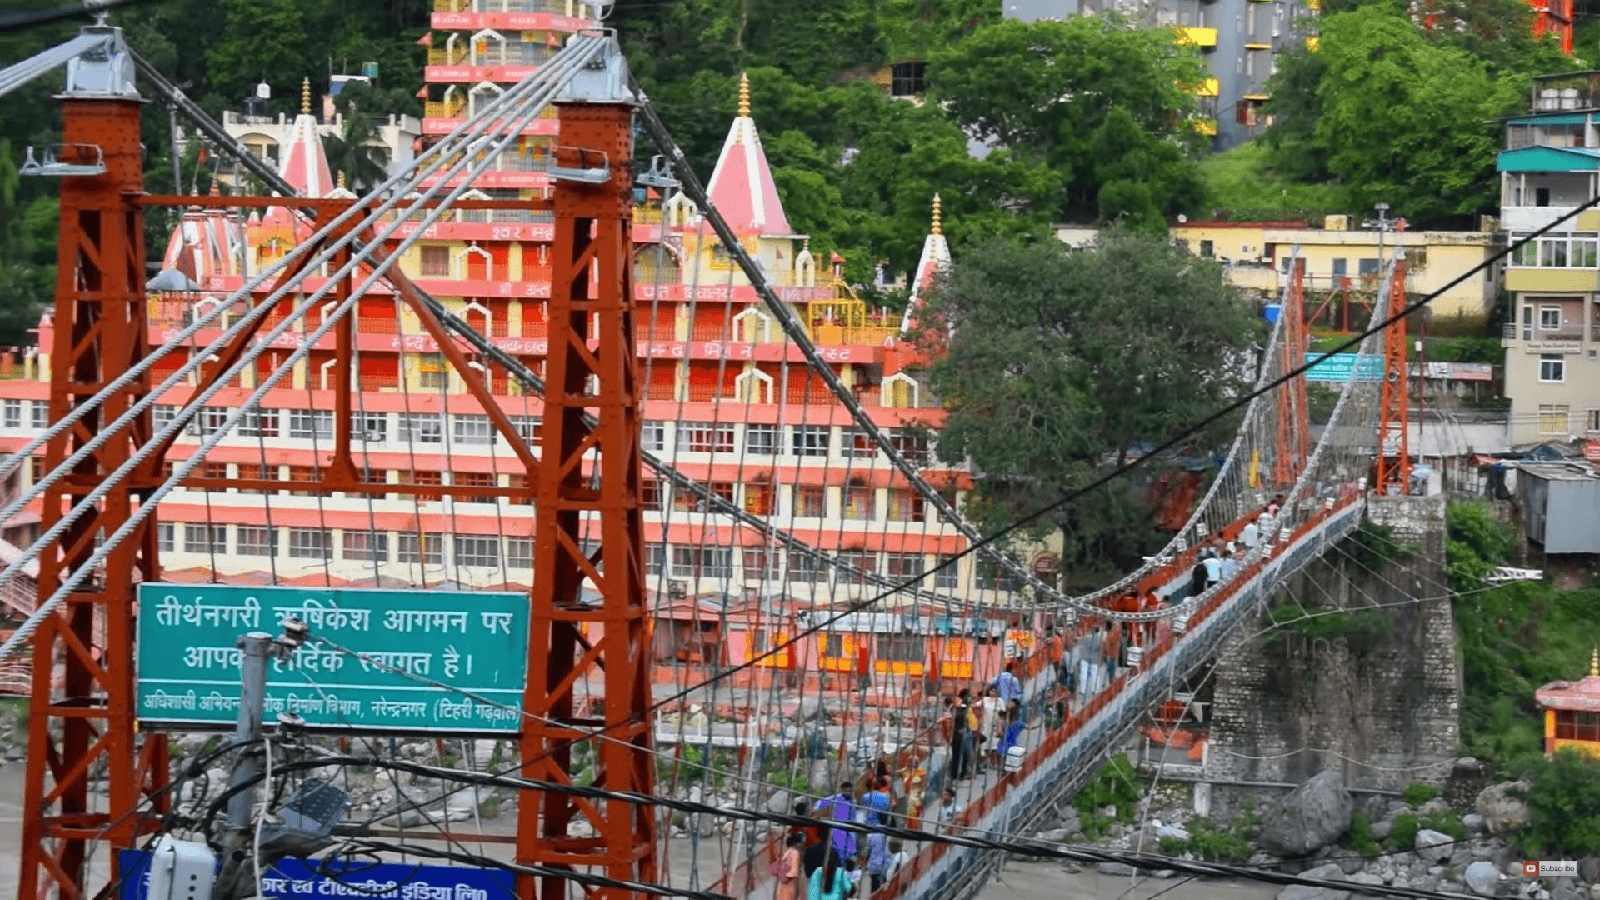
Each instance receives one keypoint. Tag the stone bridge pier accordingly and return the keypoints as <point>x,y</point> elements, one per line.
<point>1373,691</point>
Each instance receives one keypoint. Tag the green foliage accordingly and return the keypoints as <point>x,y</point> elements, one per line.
<point>1233,844</point>
<point>1248,182</point>
<point>1418,793</point>
<point>1101,103</point>
<point>1444,822</point>
<point>1362,630</point>
<point>1062,359</point>
<point>1477,348</point>
<point>1403,836</point>
<point>1564,807</point>
<point>1116,784</point>
<point>1513,640</point>
<point>1398,115</point>
<point>1359,838</point>
<point>1374,545</point>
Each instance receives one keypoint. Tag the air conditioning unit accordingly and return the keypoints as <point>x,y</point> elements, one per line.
<point>374,436</point>
<point>677,589</point>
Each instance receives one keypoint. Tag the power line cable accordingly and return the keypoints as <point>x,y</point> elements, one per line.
<point>1043,849</point>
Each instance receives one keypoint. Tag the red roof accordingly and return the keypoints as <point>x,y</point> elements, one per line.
<point>1579,696</point>
<point>741,186</point>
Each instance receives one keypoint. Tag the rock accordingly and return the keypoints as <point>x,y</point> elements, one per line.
<point>1164,873</point>
<point>1594,891</point>
<point>1313,816</point>
<point>1435,805</point>
<point>780,802</point>
<point>1172,831</point>
<point>1113,868</point>
<point>1482,849</point>
<point>1503,806</point>
<point>1567,889</point>
<point>1366,878</point>
<point>1481,878</point>
<point>1460,855</point>
<point>1109,812</point>
<point>1380,830</point>
<point>1055,835</point>
<point>1072,822</point>
<point>1350,864</point>
<point>1589,868</point>
<point>1396,807</point>
<point>1475,824</point>
<point>1504,857</point>
<point>1434,846</point>
<point>1328,872</point>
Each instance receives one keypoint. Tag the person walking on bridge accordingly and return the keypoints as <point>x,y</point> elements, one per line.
<point>840,807</point>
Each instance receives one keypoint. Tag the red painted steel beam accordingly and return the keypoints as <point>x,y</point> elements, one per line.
<point>591,299</point>
<point>100,332</point>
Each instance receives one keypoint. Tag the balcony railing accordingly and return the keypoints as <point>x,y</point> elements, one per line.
<point>444,109</point>
<point>558,7</point>
<point>447,56</point>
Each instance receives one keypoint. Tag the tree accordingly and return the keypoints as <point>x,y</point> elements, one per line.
<point>1056,361</point>
<point>1406,121</point>
<point>1102,103</point>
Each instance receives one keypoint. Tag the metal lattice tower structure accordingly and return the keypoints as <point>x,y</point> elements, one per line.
<point>1294,425</point>
<point>1393,472</point>
<point>100,333</point>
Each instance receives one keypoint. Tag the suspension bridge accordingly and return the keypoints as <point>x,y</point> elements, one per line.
<point>711,495</point>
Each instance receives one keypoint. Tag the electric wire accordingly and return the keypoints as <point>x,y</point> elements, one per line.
<point>1034,848</point>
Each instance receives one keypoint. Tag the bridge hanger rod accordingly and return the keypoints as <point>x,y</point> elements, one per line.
<point>513,366</point>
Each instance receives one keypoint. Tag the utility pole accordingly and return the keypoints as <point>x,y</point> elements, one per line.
<point>257,649</point>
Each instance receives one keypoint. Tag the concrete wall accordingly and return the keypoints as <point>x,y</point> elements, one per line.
<point>1387,714</point>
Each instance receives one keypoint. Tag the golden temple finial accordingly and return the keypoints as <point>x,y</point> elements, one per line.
<point>938,215</point>
<point>805,243</point>
<point>341,181</point>
<point>305,97</point>
<point>1594,663</point>
<point>744,96</point>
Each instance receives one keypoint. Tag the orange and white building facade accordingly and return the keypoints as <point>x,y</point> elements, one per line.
<point>729,401</point>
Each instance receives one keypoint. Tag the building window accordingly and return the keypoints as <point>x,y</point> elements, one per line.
<point>805,567</point>
<point>423,428</point>
<point>1552,367</point>
<point>702,562</point>
<point>761,440</point>
<point>477,550</point>
<point>902,648</point>
<point>373,427</point>
<point>205,538</point>
<point>1207,250</point>
<point>1341,267</point>
<point>834,646</point>
<point>905,505</point>
<point>166,537</point>
<point>1593,421</point>
<point>435,262</point>
<point>1552,419</point>
<point>1549,318</point>
<point>912,445</point>
<point>311,424</point>
<point>365,545</point>
<point>41,414</point>
<point>949,575</point>
<point>704,437</point>
<point>259,423</point>
<point>859,502</point>
<point>858,444</point>
<point>903,566</point>
<point>655,560</point>
<point>519,553</point>
<point>413,549</point>
<point>908,79</point>
<point>258,541</point>
<point>1562,251</point>
<point>991,577</point>
<point>13,414</point>
<point>811,440</point>
<point>754,563</point>
<point>310,543</point>
<point>469,430</point>
<point>862,562</point>
<point>654,437</point>
<point>810,501</point>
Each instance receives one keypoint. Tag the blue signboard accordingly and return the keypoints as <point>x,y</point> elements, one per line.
<point>297,879</point>
<point>1339,367</point>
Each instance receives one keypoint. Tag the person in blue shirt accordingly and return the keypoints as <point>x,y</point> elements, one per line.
<point>1009,685</point>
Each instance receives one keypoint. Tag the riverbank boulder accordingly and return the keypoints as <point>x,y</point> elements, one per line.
<point>1311,817</point>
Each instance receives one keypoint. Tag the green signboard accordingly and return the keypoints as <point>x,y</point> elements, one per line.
<point>1340,367</point>
<point>188,661</point>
